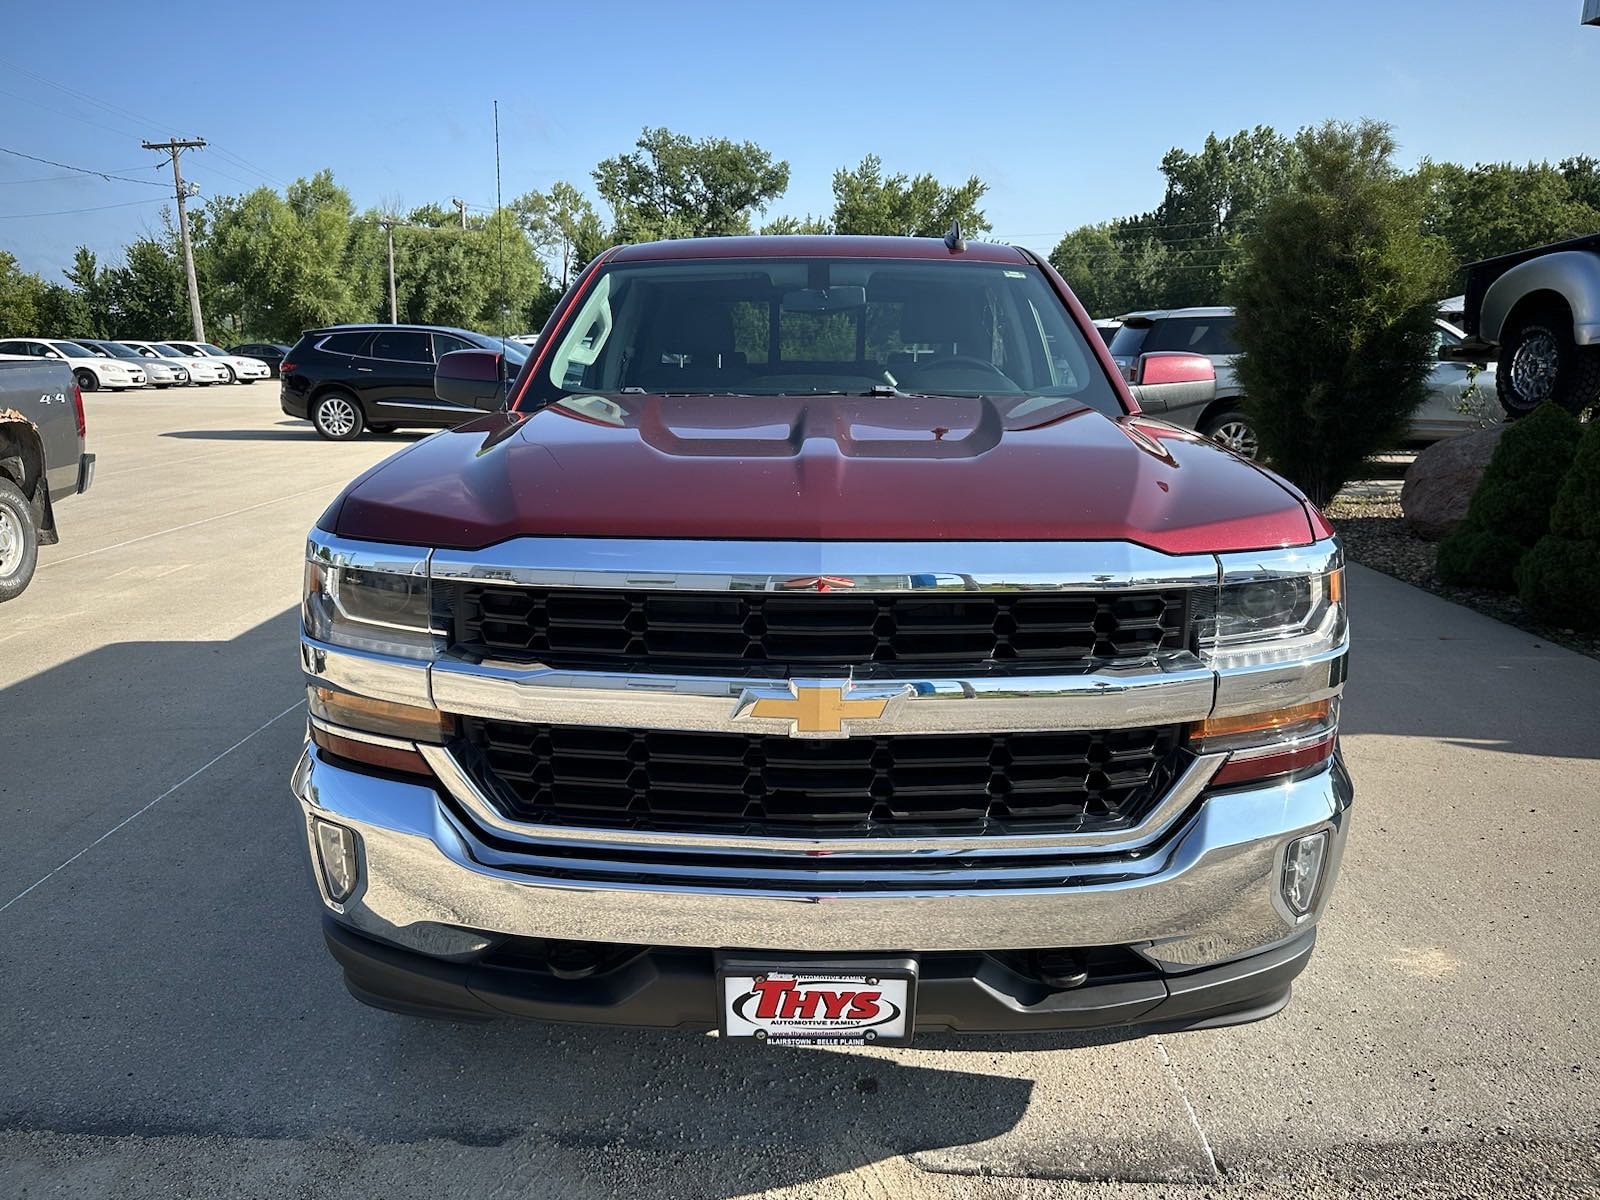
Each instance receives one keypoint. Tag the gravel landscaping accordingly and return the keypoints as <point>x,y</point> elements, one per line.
<point>1374,534</point>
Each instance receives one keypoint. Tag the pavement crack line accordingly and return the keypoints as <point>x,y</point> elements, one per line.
<point>141,811</point>
<point>56,562</point>
<point>1183,1094</point>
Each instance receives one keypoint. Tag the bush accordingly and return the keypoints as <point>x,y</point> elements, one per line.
<point>1518,490</point>
<point>1480,558</point>
<point>1577,509</point>
<point>1511,508</point>
<point>1559,582</point>
<point>1559,579</point>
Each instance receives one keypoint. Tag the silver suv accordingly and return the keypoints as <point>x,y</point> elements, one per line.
<point>1458,401</point>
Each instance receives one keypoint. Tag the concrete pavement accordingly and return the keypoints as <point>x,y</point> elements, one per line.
<point>170,1024</point>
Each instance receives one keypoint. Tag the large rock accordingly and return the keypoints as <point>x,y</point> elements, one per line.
<point>1441,482</point>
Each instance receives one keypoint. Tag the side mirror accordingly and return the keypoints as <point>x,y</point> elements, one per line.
<point>52,354</point>
<point>1169,379</point>
<point>472,379</point>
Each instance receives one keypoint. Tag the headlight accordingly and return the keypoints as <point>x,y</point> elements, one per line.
<point>369,598</point>
<point>1281,605</point>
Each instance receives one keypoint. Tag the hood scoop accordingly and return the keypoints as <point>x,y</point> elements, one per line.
<point>780,426</point>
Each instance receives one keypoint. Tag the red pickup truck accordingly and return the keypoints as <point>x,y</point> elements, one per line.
<point>819,646</point>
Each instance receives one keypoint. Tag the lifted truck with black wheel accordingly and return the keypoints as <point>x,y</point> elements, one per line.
<point>42,461</point>
<point>1536,313</point>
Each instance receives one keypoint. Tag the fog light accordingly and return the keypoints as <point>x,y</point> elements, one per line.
<point>1302,871</point>
<point>336,851</point>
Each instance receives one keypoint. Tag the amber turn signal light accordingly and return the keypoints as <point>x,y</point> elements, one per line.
<point>407,721</point>
<point>1261,722</point>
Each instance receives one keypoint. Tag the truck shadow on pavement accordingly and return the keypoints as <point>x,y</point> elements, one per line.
<point>169,978</point>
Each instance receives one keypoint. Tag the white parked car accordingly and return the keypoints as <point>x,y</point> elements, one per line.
<point>92,371</point>
<point>201,370</point>
<point>158,372</point>
<point>240,369</point>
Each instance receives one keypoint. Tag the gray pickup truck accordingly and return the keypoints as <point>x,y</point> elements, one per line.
<point>1537,314</point>
<point>42,461</point>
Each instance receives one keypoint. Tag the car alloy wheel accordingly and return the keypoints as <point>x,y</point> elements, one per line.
<point>1238,437</point>
<point>1534,367</point>
<point>336,416</point>
<point>88,381</point>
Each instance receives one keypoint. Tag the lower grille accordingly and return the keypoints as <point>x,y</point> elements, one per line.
<point>750,783</point>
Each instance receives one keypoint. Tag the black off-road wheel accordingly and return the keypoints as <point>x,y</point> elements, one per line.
<point>19,541</point>
<point>1539,363</point>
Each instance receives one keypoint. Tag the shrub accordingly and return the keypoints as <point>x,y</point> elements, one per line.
<point>1559,579</point>
<point>1518,490</point>
<point>1510,510</point>
<point>1480,558</point>
<point>1559,582</point>
<point>1577,509</point>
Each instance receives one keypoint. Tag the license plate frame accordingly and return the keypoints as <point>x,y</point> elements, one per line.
<point>847,986</point>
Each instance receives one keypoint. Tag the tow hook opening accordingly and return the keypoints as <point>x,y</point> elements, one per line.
<point>1060,969</point>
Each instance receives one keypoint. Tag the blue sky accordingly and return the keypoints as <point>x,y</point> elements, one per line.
<point>1064,108</point>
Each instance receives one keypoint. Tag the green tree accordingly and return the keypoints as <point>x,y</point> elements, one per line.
<point>797,225</point>
<point>277,261</point>
<point>562,225</point>
<point>20,292</point>
<point>1336,297</point>
<point>1582,173</point>
<point>674,186</point>
<point>865,202</point>
<point>1186,250</point>
<point>1494,208</point>
<point>146,294</point>
<point>446,275</point>
<point>1115,267</point>
<point>89,280</point>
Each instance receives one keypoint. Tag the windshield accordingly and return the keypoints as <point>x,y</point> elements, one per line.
<point>816,326</point>
<point>214,351</point>
<point>167,352</point>
<point>73,350</point>
<point>115,350</point>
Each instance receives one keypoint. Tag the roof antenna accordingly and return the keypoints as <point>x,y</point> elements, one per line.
<point>953,239</point>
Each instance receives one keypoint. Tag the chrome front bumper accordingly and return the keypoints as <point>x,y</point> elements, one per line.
<point>1207,892</point>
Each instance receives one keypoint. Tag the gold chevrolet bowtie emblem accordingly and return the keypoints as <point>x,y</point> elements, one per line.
<point>818,710</point>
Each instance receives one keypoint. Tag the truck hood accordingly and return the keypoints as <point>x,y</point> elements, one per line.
<point>821,468</point>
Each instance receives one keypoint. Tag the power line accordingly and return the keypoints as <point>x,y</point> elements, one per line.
<point>114,109</point>
<point>68,212</point>
<point>119,111</point>
<point>108,176</point>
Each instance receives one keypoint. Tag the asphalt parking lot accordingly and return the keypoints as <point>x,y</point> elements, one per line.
<point>171,1025</point>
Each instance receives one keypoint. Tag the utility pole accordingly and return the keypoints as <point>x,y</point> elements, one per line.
<point>388,224</point>
<point>461,206</point>
<point>175,147</point>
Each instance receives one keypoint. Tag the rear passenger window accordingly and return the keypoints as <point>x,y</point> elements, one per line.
<point>345,343</point>
<point>444,343</point>
<point>402,345</point>
<point>1197,335</point>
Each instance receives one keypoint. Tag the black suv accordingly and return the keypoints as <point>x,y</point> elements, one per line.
<point>270,353</point>
<point>346,378</point>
